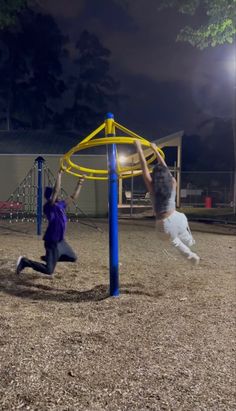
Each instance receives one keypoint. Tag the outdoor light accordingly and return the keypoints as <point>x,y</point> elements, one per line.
<point>122,159</point>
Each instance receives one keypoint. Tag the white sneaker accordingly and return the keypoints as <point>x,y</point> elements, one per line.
<point>194,259</point>
<point>19,265</point>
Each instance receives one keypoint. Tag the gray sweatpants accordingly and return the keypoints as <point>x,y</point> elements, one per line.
<point>55,252</point>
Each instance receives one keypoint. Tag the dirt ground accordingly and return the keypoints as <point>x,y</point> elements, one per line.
<point>167,343</point>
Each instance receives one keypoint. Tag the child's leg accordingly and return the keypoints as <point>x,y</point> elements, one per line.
<point>184,232</point>
<point>51,259</point>
<point>184,249</point>
<point>175,224</point>
<point>65,252</point>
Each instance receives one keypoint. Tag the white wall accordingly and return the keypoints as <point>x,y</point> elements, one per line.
<point>93,199</point>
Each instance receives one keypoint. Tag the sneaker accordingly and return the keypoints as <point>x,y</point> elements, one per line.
<point>19,265</point>
<point>194,259</point>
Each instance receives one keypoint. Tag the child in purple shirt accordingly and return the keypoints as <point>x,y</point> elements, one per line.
<point>57,220</point>
<point>55,245</point>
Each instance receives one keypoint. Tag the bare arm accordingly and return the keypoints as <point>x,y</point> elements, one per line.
<point>160,159</point>
<point>146,173</point>
<point>57,187</point>
<point>174,183</point>
<point>76,193</point>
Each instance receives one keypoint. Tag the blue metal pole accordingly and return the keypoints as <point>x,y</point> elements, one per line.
<point>39,161</point>
<point>113,209</point>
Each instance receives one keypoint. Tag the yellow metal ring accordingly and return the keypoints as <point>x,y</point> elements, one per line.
<point>92,174</point>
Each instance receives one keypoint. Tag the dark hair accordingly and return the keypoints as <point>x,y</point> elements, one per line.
<point>162,183</point>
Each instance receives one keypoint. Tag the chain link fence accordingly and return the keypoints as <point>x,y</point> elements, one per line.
<point>208,189</point>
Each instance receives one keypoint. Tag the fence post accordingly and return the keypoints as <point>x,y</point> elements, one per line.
<point>132,191</point>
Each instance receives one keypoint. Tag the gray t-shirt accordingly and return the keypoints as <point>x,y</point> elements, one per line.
<point>161,207</point>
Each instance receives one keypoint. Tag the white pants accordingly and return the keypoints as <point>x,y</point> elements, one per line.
<point>176,228</point>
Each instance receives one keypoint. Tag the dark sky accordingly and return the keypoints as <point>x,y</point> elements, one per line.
<point>171,86</point>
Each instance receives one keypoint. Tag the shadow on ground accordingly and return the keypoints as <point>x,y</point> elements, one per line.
<point>28,288</point>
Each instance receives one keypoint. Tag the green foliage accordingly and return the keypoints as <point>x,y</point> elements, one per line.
<point>30,71</point>
<point>9,10</point>
<point>220,27</point>
<point>32,80</point>
<point>183,6</point>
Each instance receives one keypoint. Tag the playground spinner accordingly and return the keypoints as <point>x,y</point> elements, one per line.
<point>114,171</point>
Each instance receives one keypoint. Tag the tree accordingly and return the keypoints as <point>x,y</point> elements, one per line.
<point>220,19</point>
<point>9,11</point>
<point>30,71</point>
<point>220,26</point>
<point>95,90</point>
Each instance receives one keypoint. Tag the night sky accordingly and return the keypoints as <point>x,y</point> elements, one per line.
<point>170,86</point>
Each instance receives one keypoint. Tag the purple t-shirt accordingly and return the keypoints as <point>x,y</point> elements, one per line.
<point>57,220</point>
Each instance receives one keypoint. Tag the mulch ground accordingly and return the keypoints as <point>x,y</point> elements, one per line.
<point>166,343</point>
